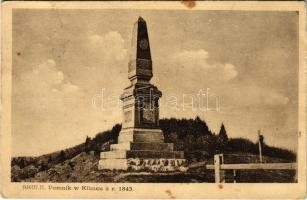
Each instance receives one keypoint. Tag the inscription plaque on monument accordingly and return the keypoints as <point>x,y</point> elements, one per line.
<point>127,116</point>
<point>148,115</point>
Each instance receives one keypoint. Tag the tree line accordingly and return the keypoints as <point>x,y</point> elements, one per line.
<point>192,136</point>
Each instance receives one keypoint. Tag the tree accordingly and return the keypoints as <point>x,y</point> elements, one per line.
<point>115,132</point>
<point>189,143</point>
<point>200,127</point>
<point>61,156</point>
<point>206,143</point>
<point>22,163</point>
<point>88,142</point>
<point>170,137</point>
<point>222,140</point>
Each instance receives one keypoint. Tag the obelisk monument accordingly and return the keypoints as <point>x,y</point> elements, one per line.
<point>141,143</point>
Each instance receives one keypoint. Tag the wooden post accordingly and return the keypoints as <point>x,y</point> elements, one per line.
<point>222,158</point>
<point>260,148</point>
<point>234,176</point>
<point>219,174</point>
<point>217,168</point>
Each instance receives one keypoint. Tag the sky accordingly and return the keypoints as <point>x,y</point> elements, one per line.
<point>70,67</point>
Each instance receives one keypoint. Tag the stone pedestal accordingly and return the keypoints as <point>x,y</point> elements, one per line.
<point>142,150</point>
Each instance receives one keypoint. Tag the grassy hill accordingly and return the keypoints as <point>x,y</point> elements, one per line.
<point>79,163</point>
<point>83,168</point>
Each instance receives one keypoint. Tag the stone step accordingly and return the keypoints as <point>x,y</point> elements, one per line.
<point>141,154</point>
<point>143,146</point>
<point>120,146</point>
<point>118,164</point>
<point>141,138</point>
<point>144,164</point>
<point>140,131</point>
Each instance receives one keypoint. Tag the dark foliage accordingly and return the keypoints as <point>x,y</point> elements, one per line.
<point>109,137</point>
<point>189,135</point>
<point>279,153</point>
<point>222,140</point>
<point>197,141</point>
<point>245,145</point>
<point>241,144</point>
<point>62,156</point>
<point>184,127</point>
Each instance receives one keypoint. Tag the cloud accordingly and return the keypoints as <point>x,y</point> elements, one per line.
<point>48,107</point>
<point>192,57</point>
<point>193,67</point>
<point>198,60</point>
<point>108,46</point>
<point>229,71</point>
<point>55,105</point>
<point>44,95</point>
<point>45,78</point>
<point>253,95</point>
<point>99,56</point>
<point>46,104</point>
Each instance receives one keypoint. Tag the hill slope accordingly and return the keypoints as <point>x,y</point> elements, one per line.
<point>79,163</point>
<point>83,168</point>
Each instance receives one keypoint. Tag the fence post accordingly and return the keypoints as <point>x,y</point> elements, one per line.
<point>217,167</point>
<point>295,176</point>
<point>234,176</point>
<point>260,141</point>
<point>219,174</point>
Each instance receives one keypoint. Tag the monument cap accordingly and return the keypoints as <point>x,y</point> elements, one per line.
<point>140,63</point>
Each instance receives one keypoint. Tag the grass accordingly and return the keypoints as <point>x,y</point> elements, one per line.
<point>83,168</point>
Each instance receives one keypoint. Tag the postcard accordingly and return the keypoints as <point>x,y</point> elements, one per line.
<point>141,100</point>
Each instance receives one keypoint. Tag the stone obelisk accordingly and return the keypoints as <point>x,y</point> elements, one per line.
<point>141,143</point>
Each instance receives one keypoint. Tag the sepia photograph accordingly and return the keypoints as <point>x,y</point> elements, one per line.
<point>126,93</point>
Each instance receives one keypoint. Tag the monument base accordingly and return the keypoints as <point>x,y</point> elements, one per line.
<point>147,164</point>
<point>142,150</point>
